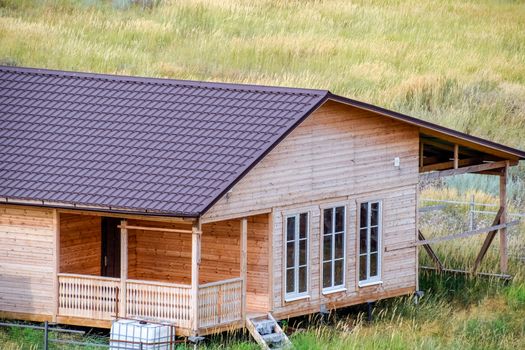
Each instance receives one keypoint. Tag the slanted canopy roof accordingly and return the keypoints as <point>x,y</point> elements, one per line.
<point>147,145</point>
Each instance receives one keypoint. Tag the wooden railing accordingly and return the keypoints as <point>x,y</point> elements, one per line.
<point>160,301</point>
<point>87,296</point>
<point>97,298</point>
<point>220,302</point>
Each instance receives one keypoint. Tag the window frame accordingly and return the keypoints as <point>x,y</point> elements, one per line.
<point>375,279</point>
<point>341,287</point>
<point>296,295</point>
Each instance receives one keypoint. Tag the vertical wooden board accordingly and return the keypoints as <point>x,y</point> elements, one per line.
<point>27,260</point>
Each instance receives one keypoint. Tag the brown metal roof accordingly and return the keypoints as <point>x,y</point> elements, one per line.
<point>163,146</point>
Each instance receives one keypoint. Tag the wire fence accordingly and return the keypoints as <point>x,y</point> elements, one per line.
<point>102,342</point>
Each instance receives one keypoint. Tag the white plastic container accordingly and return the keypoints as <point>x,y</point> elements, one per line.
<point>134,334</point>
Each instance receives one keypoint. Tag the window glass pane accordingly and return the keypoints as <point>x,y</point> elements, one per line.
<point>290,281</point>
<point>302,279</point>
<point>375,213</point>
<point>302,252</point>
<point>327,214</point>
<point>373,239</point>
<point>339,219</point>
<point>362,267</point>
<point>327,274</point>
<point>362,241</point>
<point>339,245</point>
<point>338,278</point>
<point>327,247</point>
<point>303,225</point>
<point>290,256</point>
<point>290,228</point>
<point>364,213</point>
<point>373,264</point>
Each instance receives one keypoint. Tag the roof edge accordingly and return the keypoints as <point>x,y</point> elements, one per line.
<point>157,80</point>
<point>263,154</point>
<point>425,124</point>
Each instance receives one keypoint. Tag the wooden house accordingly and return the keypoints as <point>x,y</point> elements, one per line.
<point>204,204</point>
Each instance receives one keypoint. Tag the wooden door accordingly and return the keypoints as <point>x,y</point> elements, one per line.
<point>110,247</point>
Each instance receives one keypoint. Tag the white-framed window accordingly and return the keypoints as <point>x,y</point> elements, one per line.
<point>334,248</point>
<point>297,232</point>
<point>370,214</point>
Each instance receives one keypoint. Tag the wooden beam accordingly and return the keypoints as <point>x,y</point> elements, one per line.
<point>451,237</point>
<point>158,229</point>
<point>503,251</point>
<point>195,265</point>
<point>244,263</point>
<point>487,242</point>
<point>450,164</point>
<point>463,272</point>
<point>463,170</point>
<point>431,253</point>
<point>56,254</point>
<point>456,156</point>
<point>123,268</point>
<point>421,154</point>
<point>127,216</point>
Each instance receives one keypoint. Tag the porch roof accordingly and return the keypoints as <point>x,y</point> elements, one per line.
<point>144,145</point>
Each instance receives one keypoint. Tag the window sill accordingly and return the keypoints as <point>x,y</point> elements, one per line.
<point>299,297</point>
<point>332,291</point>
<point>369,284</point>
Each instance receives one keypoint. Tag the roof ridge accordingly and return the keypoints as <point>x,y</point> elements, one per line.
<point>164,81</point>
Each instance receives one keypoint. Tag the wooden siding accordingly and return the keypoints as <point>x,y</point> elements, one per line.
<point>166,256</point>
<point>339,155</point>
<point>337,151</point>
<point>27,263</point>
<point>80,244</point>
<point>398,267</point>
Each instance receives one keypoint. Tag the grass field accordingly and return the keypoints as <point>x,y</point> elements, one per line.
<point>457,63</point>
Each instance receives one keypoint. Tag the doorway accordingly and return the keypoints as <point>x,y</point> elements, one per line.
<point>110,262</point>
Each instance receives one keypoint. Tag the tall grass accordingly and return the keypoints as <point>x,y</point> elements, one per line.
<point>457,63</point>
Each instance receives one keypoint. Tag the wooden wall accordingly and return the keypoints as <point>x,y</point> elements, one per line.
<point>166,256</point>
<point>80,244</point>
<point>27,260</point>
<point>340,154</point>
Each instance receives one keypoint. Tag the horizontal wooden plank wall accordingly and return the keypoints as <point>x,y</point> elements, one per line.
<point>338,150</point>
<point>166,256</point>
<point>257,289</point>
<point>80,244</point>
<point>26,260</point>
<point>398,267</point>
<point>338,154</point>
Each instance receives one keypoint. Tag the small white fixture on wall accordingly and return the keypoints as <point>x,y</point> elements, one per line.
<point>397,162</point>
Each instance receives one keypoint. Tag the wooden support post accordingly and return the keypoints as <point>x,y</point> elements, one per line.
<point>123,268</point>
<point>421,154</point>
<point>195,264</point>
<point>456,156</point>
<point>487,242</point>
<point>56,254</point>
<point>431,253</point>
<point>503,231</point>
<point>244,263</point>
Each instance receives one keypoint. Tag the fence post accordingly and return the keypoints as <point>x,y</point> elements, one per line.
<point>46,335</point>
<point>471,213</point>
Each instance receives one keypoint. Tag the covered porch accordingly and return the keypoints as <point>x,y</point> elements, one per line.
<point>189,274</point>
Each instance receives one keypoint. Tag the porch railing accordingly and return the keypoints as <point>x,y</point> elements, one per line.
<point>220,302</point>
<point>162,301</point>
<point>97,298</point>
<point>87,296</point>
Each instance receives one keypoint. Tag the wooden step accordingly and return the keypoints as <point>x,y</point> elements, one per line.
<point>267,332</point>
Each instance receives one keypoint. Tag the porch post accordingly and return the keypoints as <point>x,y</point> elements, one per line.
<point>503,231</point>
<point>244,262</point>
<point>195,264</point>
<point>56,253</point>
<point>123,268</point>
